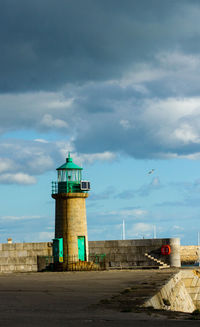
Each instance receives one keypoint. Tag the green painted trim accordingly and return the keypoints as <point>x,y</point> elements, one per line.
<point>81,248</point>
<point>69,165</point>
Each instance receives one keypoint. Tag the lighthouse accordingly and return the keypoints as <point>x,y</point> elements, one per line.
<point>70,191</point>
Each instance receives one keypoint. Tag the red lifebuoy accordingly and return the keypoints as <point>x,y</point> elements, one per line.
<point>165,250</point>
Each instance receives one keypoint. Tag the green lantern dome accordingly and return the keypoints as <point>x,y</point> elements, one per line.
<point>70,179</point>
<point>69,164</point>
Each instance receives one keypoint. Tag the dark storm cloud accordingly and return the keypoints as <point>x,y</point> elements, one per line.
<point>143,128</point>
<point>45,44</point>
<point>111,76</point>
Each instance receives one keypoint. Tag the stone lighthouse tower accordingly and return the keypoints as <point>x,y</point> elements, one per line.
<point>70,191</point>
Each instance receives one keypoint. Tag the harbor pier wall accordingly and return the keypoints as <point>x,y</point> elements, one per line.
<point>190,254</point>
<point>142,253</point>
<point>24,257</point>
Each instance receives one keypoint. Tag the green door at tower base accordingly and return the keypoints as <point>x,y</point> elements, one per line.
<point>58,249</point>
<point>81,248</point>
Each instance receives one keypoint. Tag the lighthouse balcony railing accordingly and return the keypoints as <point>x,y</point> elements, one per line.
<point>65,187</point>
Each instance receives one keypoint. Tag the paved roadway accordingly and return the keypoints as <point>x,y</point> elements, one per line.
<point>70,298</point>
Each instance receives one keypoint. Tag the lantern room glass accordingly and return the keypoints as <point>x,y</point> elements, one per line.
<point>71,175</point>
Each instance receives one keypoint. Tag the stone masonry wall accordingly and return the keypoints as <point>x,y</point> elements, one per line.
<point>189,254</point>
<point>71,222</point>
<point>191,279</point>
<point>180,293</point>
<point>22,257</point>
<point>130,253</point>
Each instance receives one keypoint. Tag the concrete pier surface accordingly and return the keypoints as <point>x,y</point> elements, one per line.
<point>85,299</point>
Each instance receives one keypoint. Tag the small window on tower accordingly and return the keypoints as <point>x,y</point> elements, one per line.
<point>85,185</point>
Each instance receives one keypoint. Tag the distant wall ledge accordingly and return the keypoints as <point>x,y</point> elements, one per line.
<point>142,252</point>
<point>70,195</point>
<point>139,242</point>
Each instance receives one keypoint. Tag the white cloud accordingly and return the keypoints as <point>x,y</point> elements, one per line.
<point>169,110</point>
<point>172,121</point>
<point>41,163</point>
<point>140,230</point>
<point>125,123</point>
<point>133,213</point>
<point>60,103</point>
<point>6,164</point>
<point>41,141</point>
<point>18,178</point>
<point>7,218</point>
<point>45,236</point>
<point>49,121</point>
<point>179,61</point>
<point>195,156</point>
<point>34,110</point>
<point>186,134</point>
<point>90,158</point>
<point>28,158</point>
<point>177,228</point>
<point>21,161</point>
<point>141,74</point>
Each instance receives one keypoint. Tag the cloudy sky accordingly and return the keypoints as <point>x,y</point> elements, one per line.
<point>117,83</point>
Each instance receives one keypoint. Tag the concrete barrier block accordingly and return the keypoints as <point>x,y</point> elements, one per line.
<point>14,260</point>
<point>187,282</point>
<point>4,254</point>
<point>124,249</point>
<point>34,268</point>
<point>50,252</point>
<point>27,246</point>
<point>114,264</point>
<point>41,245</point>
<point>131,257</point>
<point>31,253</point>
<point>22,253</point>
<point>191,290</point>
<point>197,290</point>
<point>194,281</point>
<point>35,246</point>
<point>19,246</point>
<point>121,257</point>
<point>131,249</point>
<point>111,244</point>
<point>11,268</point>
<point>25,268</point>
<point>4,260</point>
<point>21,268</point>
<point>110,257</point>
<point>7,268</point>
<point>12,254</point>
<point>8,247</point>
<point>123,243</point>
<point>98,251</point>
<point>17,260</point>
<point>197,298</point>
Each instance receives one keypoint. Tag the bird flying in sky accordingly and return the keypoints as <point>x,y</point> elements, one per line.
<point>151,171</point>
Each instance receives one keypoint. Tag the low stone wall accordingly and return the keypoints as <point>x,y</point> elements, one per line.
<point>130,253</point>
<point>22,257</point>
<point>189,254</point>
<point>180,293</point>
<point>191,280</point>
